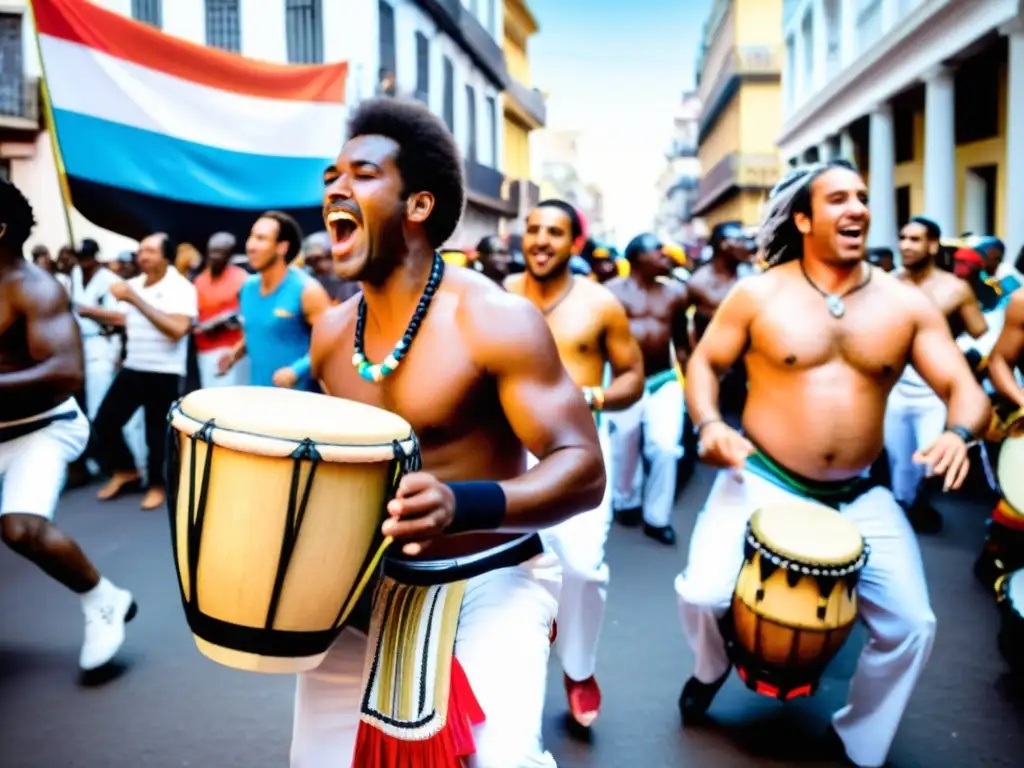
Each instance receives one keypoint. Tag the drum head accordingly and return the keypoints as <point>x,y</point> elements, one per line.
<point>1011,471</point>
<point>1015,591</point>
<point>807,532</point>
<point>291,415</point>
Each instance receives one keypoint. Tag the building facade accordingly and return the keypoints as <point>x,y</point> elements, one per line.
<point>555,155</point>
<point>678,183</point>
<point>926,96</point>
<point>525,112</point>
<point>446,53</point>
<point>739,87</point>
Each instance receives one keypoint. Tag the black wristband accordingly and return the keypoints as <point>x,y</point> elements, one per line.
<point>962,432</point>
<point>479,506</point>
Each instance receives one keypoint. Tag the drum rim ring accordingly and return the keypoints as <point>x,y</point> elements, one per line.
<point>810,568</point>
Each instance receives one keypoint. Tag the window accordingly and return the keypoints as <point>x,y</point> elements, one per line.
<point>386,46</point>
<point>471,123</point>
<point>422,68</point>
<point>304,30</point>
<point>12,80</point>
<point>222,25</point>
<point>148,12</point>
<point>449,94</point>
<point>492,131</point>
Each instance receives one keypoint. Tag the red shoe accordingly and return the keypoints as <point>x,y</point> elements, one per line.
<point>584,699</point>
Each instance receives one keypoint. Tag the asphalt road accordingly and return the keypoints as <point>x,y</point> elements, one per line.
<point>168,706</point>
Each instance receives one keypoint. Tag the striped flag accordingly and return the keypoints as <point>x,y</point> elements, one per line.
<point>159,134</point>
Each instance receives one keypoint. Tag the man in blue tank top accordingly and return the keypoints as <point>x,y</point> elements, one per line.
<point>279,305</point>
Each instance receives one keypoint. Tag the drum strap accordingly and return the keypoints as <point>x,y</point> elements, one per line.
<point>831,494</point>
<point>20,429</point>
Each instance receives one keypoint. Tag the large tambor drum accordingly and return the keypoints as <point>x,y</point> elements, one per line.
<point>795,600</point>
<point>276,503</point>
<point>1010,597</point>
<point>1011,466</point>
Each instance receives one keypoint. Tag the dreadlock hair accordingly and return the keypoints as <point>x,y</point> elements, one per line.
<point>779,237</point>
<point>428,159</point>
<point>16,217</point>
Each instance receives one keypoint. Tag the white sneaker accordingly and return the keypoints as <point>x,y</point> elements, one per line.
<point>104,628</point>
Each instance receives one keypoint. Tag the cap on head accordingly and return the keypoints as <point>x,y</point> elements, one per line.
<point>640,244</point>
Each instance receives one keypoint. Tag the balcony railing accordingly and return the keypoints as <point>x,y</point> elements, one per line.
<point>462,26</point>
<point>19,102</point>
<point>758,62</point>
<point>483,180</point>
<point>736,171</point>
<point>530,99</point>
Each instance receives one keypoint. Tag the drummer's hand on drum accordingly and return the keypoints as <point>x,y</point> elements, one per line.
<point>422,509</point>
<point>947,456</point>
<point>722,446</point>
<point>286,378</point>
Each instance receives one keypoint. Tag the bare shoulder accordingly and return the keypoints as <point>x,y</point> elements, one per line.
<point>899,290</point>
<point>757,289</point>
<point>957,286</point>
<point>37,292</point>
<point>515,283</point>
<point>595,293</point>
<point>1015,308</point>
<point>331,326</point>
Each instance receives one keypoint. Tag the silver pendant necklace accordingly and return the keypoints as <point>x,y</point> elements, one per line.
<point>835,302</point>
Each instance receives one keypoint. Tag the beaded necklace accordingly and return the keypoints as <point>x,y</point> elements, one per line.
<point>376,371</point>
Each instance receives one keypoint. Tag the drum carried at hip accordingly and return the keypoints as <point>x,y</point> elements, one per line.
<point>276,500</point>
<point>795,600</point>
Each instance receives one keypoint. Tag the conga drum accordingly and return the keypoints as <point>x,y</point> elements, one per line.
<point>1011,464</point>
<point>1010,598</point>
<point>276,499</point>
<point>795,599</point>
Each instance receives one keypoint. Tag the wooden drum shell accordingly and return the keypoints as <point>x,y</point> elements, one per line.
<point>790,617</point>
<point>273,551</point>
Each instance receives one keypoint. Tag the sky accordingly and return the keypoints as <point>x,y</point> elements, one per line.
<point>616,71</point>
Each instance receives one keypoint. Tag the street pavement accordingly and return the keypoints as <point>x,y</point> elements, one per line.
<point>166,705</point>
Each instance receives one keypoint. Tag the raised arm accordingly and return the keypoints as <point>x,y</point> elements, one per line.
<point>1008,351</point>
<point>543,405</point>
<point>174,323</point>
<point>53,341</point>
<point>627,363</point>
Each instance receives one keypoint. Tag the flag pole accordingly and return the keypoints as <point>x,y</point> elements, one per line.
<point>51,130</point>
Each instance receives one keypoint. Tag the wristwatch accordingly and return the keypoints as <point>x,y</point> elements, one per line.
<point>962,432</point>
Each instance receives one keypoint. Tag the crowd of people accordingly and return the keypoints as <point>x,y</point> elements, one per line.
<point>555,391</point>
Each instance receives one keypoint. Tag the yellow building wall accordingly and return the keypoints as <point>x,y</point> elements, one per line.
<point>724,138</point>
<point>745,207</point>
<point>758,22</point>
<point>760,108</point>
<point>986,152</point>
<point>517,151</point>
<point>517,62</point>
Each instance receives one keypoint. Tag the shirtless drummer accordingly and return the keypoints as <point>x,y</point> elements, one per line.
<point>649,431</point>
<point>477,374</point>
<point>42,429</point>
<point>916,415</point>
<point>826,337</point>
<point>590,330</point>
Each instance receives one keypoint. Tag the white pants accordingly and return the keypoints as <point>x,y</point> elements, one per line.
<point>661,417</point>
<point>578,543</point>
<point>893,604</point>
<point>208,376</point>
<point>502,643</point>
<point>101,354</point>
<point>914,418</point>
<point>33,467</point>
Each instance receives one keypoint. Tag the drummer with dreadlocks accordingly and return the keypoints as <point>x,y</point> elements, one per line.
<point>825,337</point>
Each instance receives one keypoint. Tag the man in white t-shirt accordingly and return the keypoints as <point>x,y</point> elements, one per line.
<point>157,310</point>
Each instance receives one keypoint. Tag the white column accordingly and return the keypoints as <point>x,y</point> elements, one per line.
<point>940,149</point>
<point>847,150</point>
<point>848,32</point>
<point>820,69</point>
<point>882,178</point>
<point>889,14</point>
<point>826,151</point>
<point>1014,169</point>
<point>800,84</point>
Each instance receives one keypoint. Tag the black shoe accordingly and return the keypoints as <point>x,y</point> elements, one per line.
<point>697,697</point>
<point>924,518</point>
<point>628,518</point>
<point>661,534</point>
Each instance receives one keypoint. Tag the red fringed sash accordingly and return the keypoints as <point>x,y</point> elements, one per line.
<point>1007,516</point>
<point>375,749</point>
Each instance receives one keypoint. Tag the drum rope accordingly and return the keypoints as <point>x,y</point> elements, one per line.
<point>305,452</point>
<point>197,508</point>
